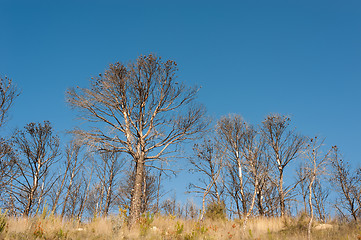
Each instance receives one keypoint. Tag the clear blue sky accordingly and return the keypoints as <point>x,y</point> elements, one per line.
<point>301,58</point>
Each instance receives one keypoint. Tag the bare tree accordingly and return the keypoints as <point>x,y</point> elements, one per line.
<point>38,149</point>
<point>285,146</point>
<point>146,111</point>
<point>320,194</point>
<point>66,168</point>
<point>8,92</point>
<point>231,131</point>
<point>348,185</point>
<point>253,151</point>
<point>149,191</point>
<point>315,168</point>
<point>207,161</point>
<point>73,179</point>
<point>7,166</point>
<point>303,185</point>
<point>107,169</point>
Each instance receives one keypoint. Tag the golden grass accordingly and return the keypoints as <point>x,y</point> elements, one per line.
<point>170,227</point>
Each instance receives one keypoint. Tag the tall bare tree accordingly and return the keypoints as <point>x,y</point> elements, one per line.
<point>74,165</point>
<point>208,162</point>
<point>39,149</point>
<point>65,174</point>
<point>246,151</point>
<point>348,185</point>
<point>284,146</point>
<point>149,198</point>
<point>231,131</point>
<point>253,151</point>
<point>316,163</point>
<point>140,109</point>
<point>107,170</point>
<point>8,92</point>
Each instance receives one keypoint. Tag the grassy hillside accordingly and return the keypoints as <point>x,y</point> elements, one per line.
<point>170,227</point>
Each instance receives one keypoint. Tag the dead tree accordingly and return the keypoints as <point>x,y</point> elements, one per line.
<point>65,175</point>
<point>320,195</point>
<point>230,132</point>
<point>207,160</point>
<point>253,151</point>
<point>8,169</point>
<point>149,191</point>
<point>74,168</point>
<point>39,150</point>
<point>284,147</point>
<point>145,111</point>
<point>107,169</point>
<point>315,167</point>
<point>347,184</point>
<point>8,92</point>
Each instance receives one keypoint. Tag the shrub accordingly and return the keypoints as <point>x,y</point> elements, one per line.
<point>216,211</point>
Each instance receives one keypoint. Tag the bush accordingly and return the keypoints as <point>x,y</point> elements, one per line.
<point>216,211</point>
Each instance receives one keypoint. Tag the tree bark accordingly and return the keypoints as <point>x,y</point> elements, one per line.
<point>281,193</point>
<point>135,206</point>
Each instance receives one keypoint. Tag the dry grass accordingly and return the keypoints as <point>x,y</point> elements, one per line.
<point>170,227</point>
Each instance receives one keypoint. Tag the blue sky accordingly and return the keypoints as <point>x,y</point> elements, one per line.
<point>301,58</point>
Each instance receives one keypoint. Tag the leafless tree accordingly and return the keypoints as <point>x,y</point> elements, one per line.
<point>315,167</point>
<point>348,185</point>
<point>247,165</point>
<point>170,206</point>
<point>207,161</point>
<point>149,191</point>
<point>8,92</point>
<point>284,146</point>
<point>253,151</point>
<point>78,194</point>
<point>75,179</point>
<point>320,194</point>
<point>107,170</point>
<point>302,188</point>
<point>38,148</point>
<point>146,111</point>
<point>231,131</point>
<point>191,210</point>
<point>68,168</point>
<point>7,166</point>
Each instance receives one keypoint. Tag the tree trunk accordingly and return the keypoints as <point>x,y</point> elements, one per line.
<point>109,194</point>
<point>67,194</point>
<point>311,208</point>
<point>241,190</point>
<point>281,193</point>
<point>259,202</point>
<point>135,205</point>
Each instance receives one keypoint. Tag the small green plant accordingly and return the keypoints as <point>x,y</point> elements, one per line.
<point>3,220</point>
<point>198,230</point>
<point>179,228</point>
<point>250,233</point>
<point>60,234</point>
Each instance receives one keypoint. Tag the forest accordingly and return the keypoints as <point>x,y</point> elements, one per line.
<point>254,180</point>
